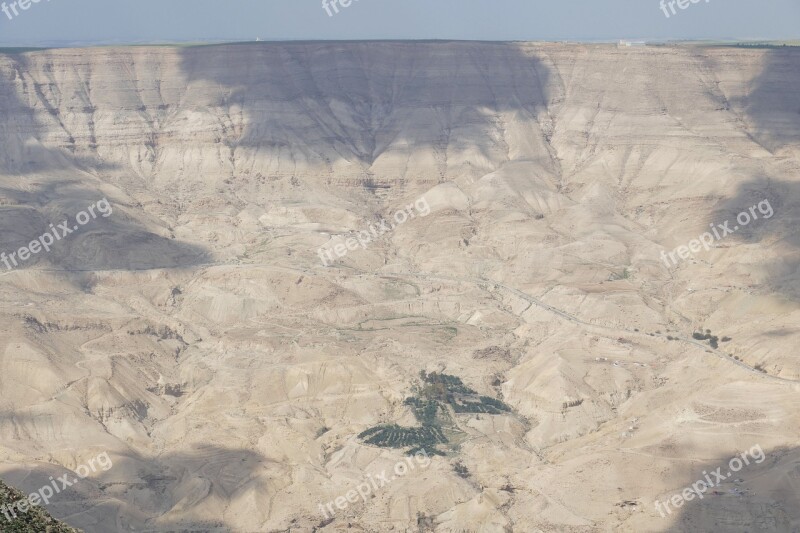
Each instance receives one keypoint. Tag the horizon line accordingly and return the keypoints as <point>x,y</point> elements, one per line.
<point>65,44</point>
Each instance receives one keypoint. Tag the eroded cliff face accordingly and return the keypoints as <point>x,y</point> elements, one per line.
<point>196,335</point>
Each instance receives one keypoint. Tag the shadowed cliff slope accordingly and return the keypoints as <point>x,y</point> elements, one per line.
<point>196,335</point>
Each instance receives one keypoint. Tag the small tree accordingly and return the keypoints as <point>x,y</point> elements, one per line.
<point>460,469</point>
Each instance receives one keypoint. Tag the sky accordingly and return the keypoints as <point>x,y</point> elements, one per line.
<point>50,22</point>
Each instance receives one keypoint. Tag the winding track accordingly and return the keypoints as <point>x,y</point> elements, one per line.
<point>494,285</point>
<point>482,283</point>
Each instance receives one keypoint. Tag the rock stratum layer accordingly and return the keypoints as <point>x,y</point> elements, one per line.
<point>196,336</point>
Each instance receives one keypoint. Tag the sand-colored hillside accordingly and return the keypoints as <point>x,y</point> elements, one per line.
<point>197,337</point>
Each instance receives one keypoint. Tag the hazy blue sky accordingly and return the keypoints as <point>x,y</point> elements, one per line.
<point>152,20</point>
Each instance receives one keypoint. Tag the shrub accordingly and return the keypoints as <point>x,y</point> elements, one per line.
<point>573,403</point>
<point>713,340</point>
<point>35,519</point>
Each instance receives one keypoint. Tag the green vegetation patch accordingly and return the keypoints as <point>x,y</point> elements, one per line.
<point>433,399</point>
<point>485,405</point>
<point>34,520</point>
<point>394,436</point>
<point>713,340</point>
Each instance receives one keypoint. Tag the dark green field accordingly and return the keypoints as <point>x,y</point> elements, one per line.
<point>433,399</point>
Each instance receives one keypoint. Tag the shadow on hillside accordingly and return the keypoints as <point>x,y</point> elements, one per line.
<point>35,137</point>
<point>777,234</point>
<point>759,497</point>
<point>190,485</point>
<point>773,106</point>
<point>354,100</point>
<point>31,199</point>
<point>115,239</point>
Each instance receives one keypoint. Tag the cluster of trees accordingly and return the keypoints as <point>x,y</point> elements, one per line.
<point>424,410</point>
<point>573,403</point>
<point>438,389</point>
<point>713,340</point>
<point>394,436</point>
<point>429,402</point>
<point>485,404</point>
<point>461,469</point>
<point>442,387</point>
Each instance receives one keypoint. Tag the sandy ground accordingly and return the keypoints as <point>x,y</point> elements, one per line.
<point>197,337</point>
